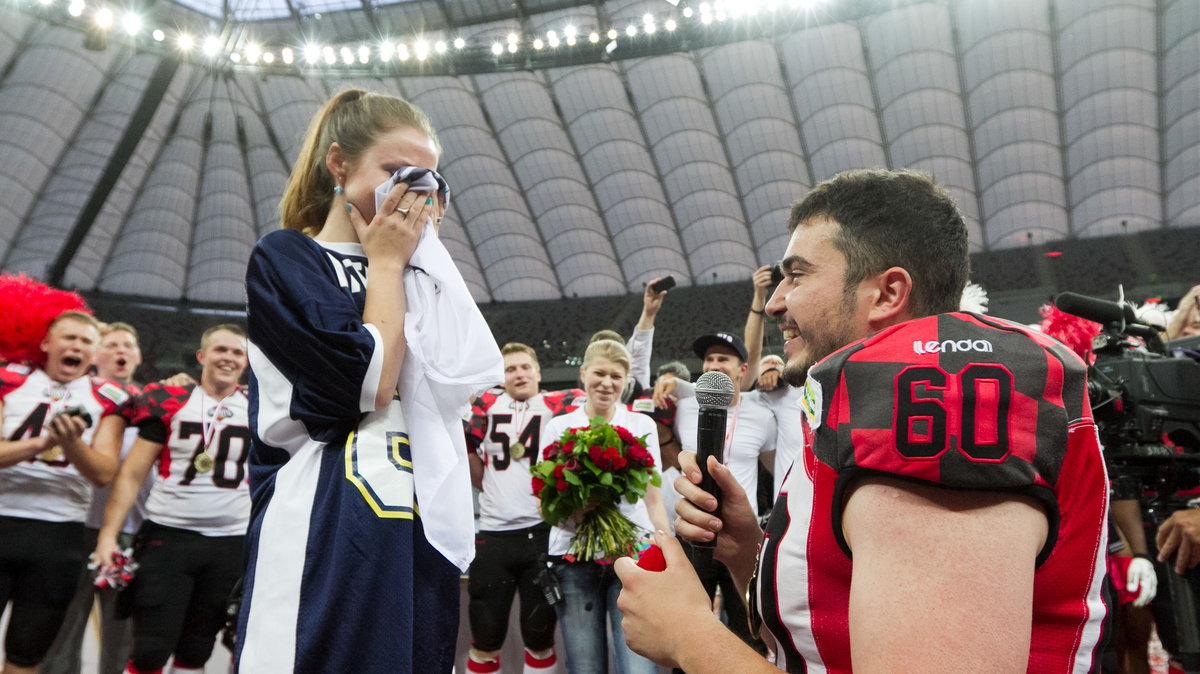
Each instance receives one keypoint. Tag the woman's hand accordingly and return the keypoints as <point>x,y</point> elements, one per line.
<point>393,234</point>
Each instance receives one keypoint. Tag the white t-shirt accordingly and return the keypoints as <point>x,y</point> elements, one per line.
<point>637,424</point>
<point>785,401</point>
<point>750,430</point>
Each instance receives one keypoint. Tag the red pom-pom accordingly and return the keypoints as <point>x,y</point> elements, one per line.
<point>36,304</point>
<point>1075,332</point>
<point>652,559</point>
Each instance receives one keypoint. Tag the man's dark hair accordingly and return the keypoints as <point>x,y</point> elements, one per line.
<point>894,219</point>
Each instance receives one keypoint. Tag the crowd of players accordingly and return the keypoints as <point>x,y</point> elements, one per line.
<point>81,439</point>
<point>174,454</point>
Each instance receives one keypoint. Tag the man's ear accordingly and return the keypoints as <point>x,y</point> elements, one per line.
<point>891,298</point>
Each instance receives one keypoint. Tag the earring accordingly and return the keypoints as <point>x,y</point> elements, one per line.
<point>337,189</point>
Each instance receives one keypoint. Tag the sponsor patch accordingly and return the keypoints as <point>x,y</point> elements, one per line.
<point>951,346</point>
<point>643,405</point>
<point>811,402</point>
<point>113,392</point>
<point>23,370</point>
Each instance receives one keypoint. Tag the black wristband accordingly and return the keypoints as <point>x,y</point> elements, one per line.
<point>1145,556</point>
<point>760,312</point>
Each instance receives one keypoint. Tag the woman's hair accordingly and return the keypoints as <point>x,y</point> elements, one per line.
<point>610,349</point>
<point>354,119</point>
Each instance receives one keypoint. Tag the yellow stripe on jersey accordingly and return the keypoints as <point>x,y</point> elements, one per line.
<point>384,479</point>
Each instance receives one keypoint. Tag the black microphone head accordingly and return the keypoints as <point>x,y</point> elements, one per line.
<point>1095,309</point>
<point>714,389</point>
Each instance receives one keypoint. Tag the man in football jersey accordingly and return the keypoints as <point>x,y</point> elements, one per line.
<point>953,457</point>
<point>117,360</point>
<point>190,546</point>
<point>61,436</point>
<point>503,436</point>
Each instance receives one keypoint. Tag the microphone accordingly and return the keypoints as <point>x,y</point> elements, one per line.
<point>714,393</point>
<point>1104,312</point>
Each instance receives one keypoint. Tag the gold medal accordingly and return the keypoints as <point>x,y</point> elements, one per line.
<point>203,462</point>
<point>517,450</point>
<point>53,454</point>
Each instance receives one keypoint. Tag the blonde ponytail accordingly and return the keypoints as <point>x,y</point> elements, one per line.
<point>354,119</point>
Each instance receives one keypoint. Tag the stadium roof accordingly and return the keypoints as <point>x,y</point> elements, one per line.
<point>132,170</point>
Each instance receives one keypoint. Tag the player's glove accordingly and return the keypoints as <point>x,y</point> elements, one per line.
<point>1141,578</point>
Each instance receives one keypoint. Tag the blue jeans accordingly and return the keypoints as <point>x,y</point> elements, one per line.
<point>589,593</point>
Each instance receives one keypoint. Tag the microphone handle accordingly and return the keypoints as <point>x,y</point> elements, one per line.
<point>710,441</point>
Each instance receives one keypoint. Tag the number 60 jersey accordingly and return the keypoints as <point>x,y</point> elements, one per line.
<point>187,423</point>
<point>956,400</point>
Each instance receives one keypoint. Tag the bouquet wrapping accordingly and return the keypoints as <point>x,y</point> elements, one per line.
<point>590,470</point>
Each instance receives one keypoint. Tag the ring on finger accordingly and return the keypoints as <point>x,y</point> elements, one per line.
<point>402,211</point>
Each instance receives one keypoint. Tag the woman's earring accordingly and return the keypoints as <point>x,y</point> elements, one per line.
<point>337,189</point>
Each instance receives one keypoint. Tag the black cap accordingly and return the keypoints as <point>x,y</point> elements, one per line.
<point>702,344</point>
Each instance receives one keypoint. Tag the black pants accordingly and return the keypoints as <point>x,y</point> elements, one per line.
<point>507,562</point>
<point>179,595</point>
<point>40,563</point>
<point>713,575</point>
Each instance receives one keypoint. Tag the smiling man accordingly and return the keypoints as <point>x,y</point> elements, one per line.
<point>190,544</point>
<point>61,435</point>
<point>503,437</point>
<point>947,510</point>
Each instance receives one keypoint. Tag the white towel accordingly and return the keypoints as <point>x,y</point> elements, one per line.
<point>452,356</point>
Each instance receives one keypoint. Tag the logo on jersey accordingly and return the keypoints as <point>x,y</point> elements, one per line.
<point>952,346</point>
<point>23,370</point>
<point>811,402</point>
<point>56,393</point>
<point>224,412</point>
<point>643,405</point>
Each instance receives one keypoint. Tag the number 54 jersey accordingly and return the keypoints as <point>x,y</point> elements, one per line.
<point>188,423</point>
<point>956,400</point>
<point>507,435</point>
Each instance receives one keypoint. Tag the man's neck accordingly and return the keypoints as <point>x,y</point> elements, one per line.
<point>216,390</point>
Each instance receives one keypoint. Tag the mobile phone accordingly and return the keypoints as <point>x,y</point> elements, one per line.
<point>776,275</point>
<point>665,283</point>
<point>77,411</point>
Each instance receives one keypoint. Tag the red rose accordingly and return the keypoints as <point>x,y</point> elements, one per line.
<point>568,446</point>
<point>538,485</point>
<point>558,471</point>
<point>617,463</point>
<point>626,436</point>
<point>596,454</point>
<point>553,450</point>
<point>561,485</point>
<point>572,464</point>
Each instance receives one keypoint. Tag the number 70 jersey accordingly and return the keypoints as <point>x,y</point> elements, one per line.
<point>188,423</point>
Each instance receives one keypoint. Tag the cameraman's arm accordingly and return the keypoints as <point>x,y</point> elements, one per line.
<point>1180,536</point>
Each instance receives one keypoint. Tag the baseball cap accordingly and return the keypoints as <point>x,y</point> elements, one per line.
<point>702,344</point>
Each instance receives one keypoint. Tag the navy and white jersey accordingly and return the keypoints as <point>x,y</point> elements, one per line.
<point>340,577</point>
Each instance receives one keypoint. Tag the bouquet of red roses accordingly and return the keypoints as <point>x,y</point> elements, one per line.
<point>591,469</point>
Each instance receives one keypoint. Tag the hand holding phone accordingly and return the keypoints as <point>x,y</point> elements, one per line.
<point>665,283</point>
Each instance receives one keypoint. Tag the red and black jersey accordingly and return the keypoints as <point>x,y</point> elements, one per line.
<point>498,424</point>
<point>186,422</point>
<point>956,400</point>
<point>48,487</point>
